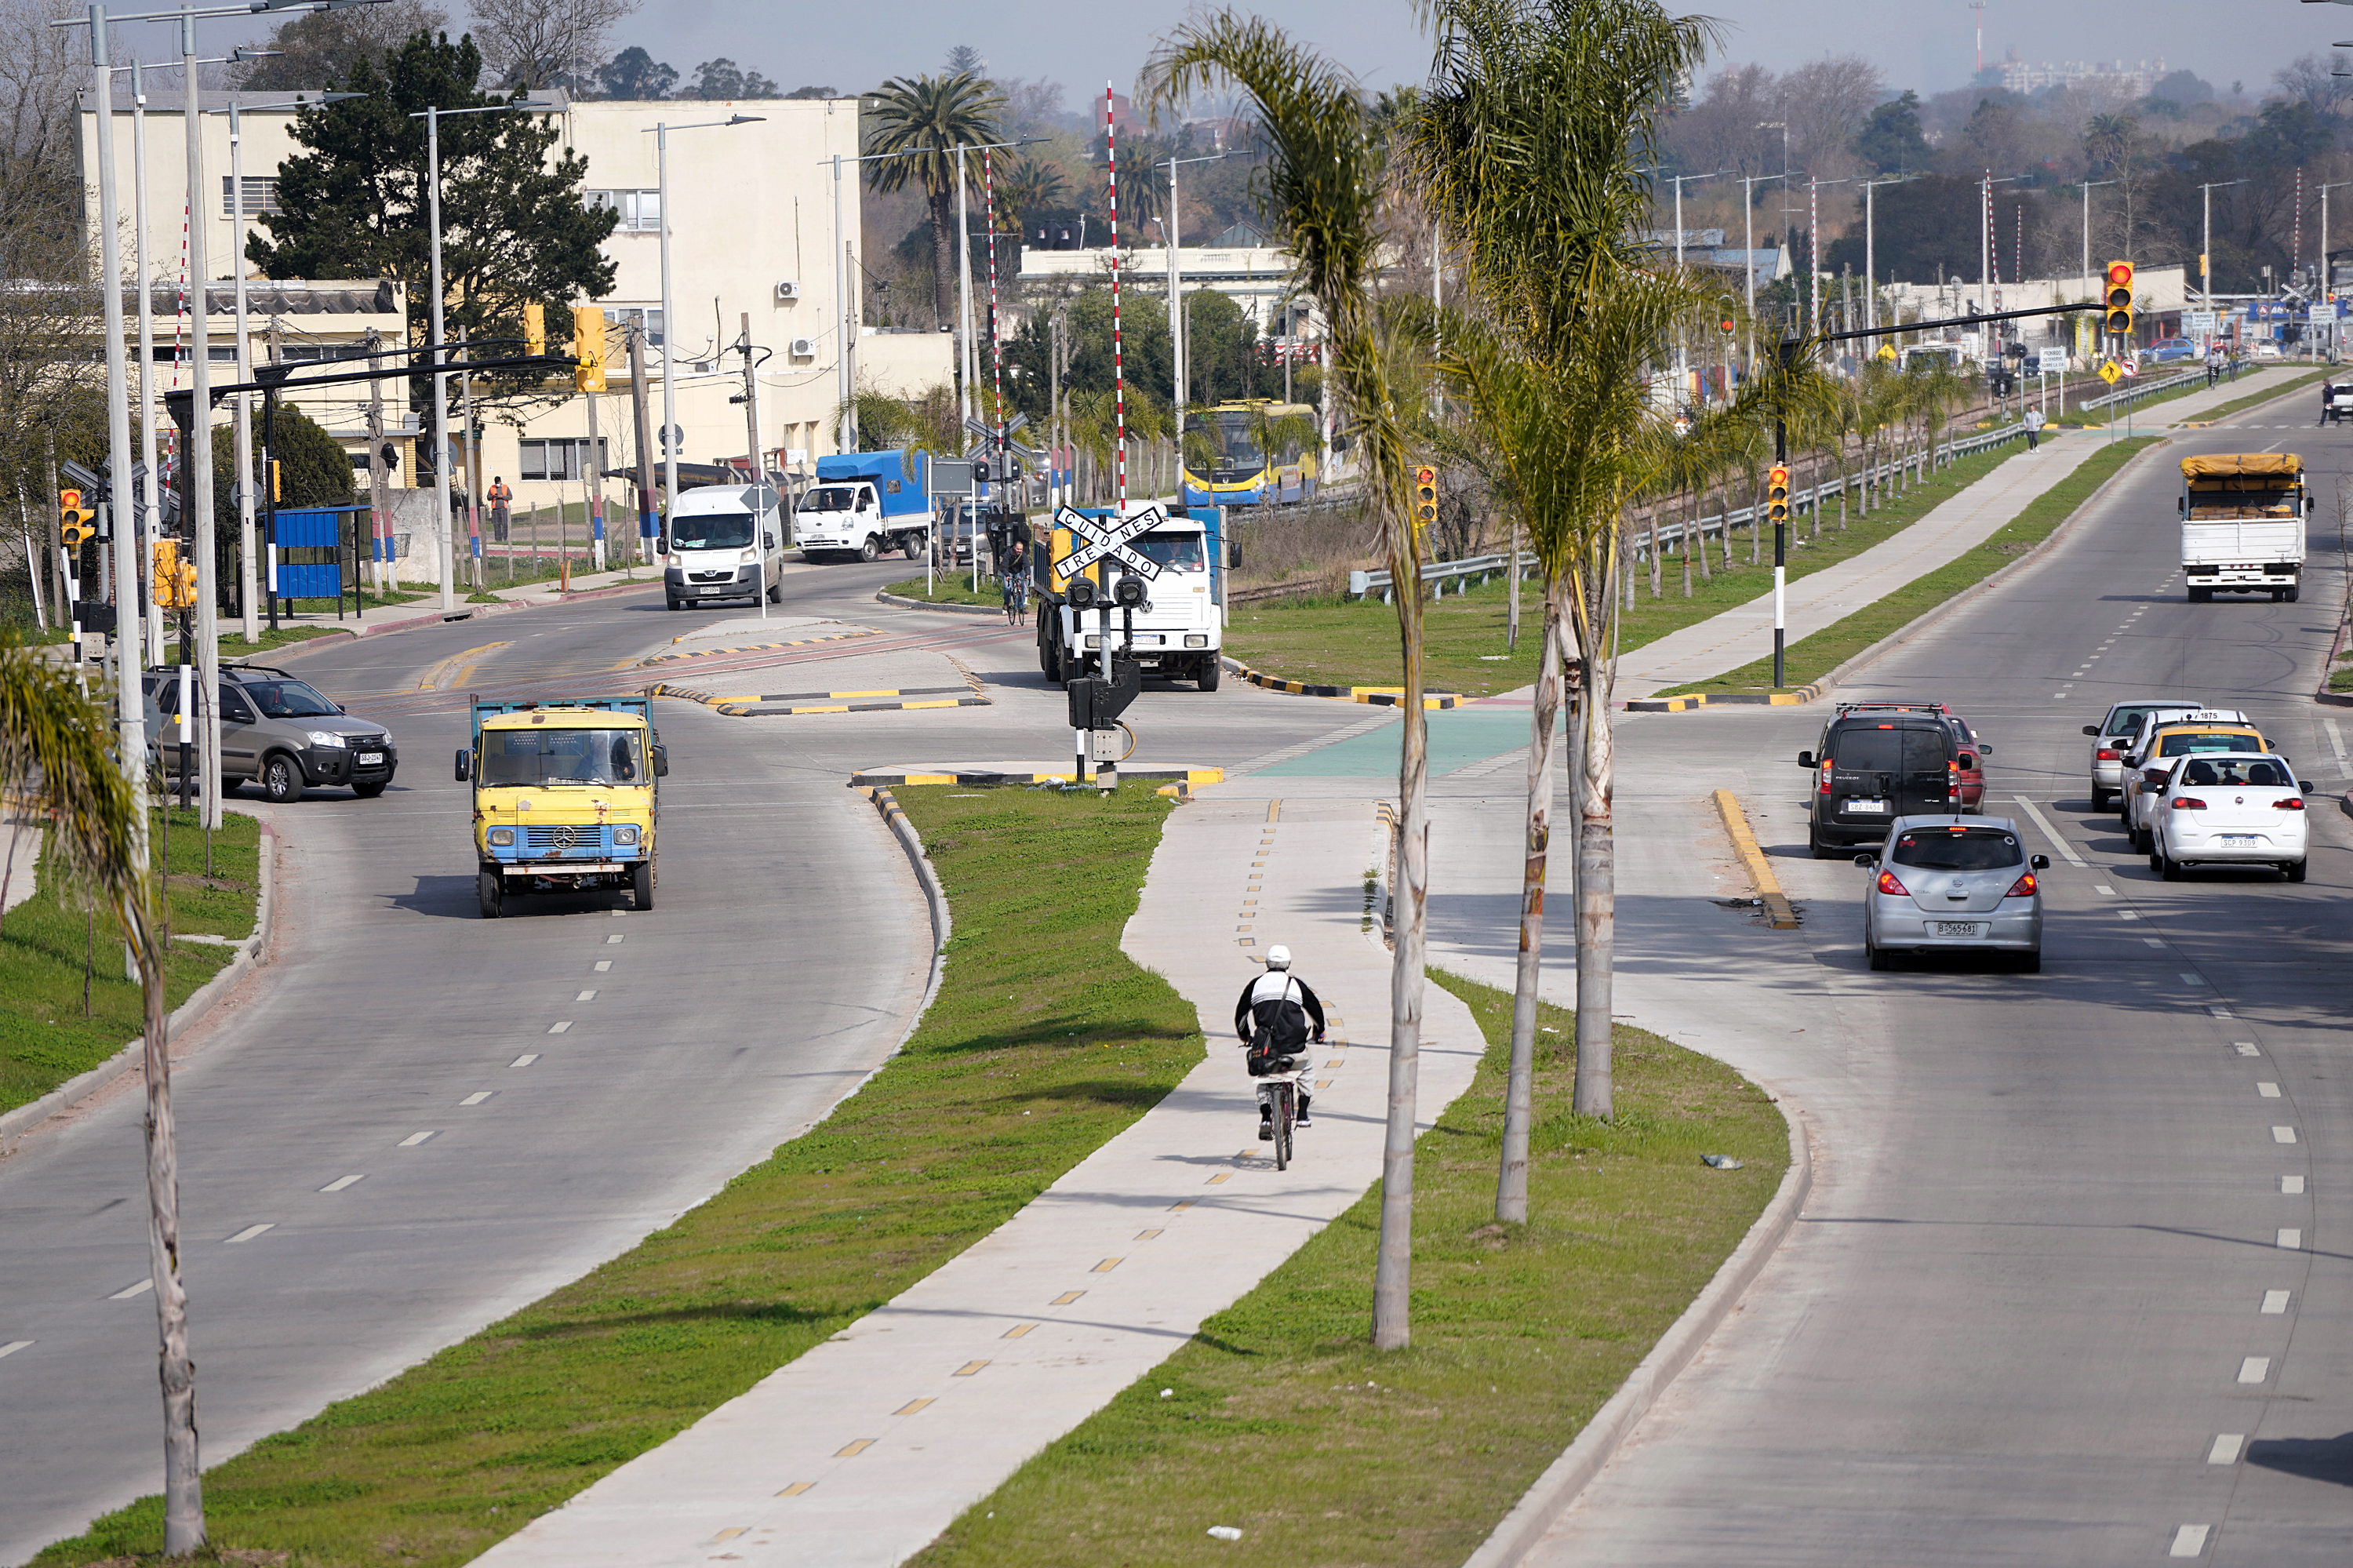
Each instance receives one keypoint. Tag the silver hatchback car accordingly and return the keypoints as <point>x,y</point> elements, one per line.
<point>1954,884</point>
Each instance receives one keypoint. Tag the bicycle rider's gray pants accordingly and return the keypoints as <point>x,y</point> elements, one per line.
<point>1266,1093</point>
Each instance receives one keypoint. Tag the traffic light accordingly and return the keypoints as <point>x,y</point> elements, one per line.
<point>535,327</point>
<point>2116,319</point>
<point>75,521</point>
<point>167,573</point>
<point>186,595</point>
<point>588,348</point>
<point>1776,494</point>
<point>1425,498</point>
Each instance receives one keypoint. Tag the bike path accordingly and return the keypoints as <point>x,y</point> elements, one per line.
<point>860,1452</point>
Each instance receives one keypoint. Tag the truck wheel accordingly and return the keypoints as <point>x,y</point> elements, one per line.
<point>641,884</point>
<point>674,604</point>
<point>776,592</point>
<point>913,549</point>
<point>1212,670</point>
<point>281,778</point>
<point>870,551</point>
<point>2293,593</point>
<point>1049,658</point>
<point>489,894</point>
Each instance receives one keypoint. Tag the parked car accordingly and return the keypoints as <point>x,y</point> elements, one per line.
<point>2113,735</point>
<point>2267,351</point>
<point>1948,883</point>
<point>2165,351</point>
<point>2161,750</point>
<point>2229,808</point>
<point>1872,769</point>
<point>277,731</point>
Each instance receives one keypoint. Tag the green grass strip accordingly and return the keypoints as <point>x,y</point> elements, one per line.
<point>1044,1043</point>
<point>1281,1420</point>
<point>46,941</point>
<point>951,587</point>
<point>2240,405</point>
<point>1811,658</point>
<point>1346,642</point>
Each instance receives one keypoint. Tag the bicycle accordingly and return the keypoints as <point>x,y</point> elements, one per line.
<point>1286,1109</point>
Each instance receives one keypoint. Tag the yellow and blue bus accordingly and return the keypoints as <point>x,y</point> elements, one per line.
<point>1241,472</point>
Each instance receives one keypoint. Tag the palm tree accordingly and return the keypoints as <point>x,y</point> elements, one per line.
<point>924,118</point>
<point>54,749</point>
<point>1030,187</point>
<point>1325,187</point>
<point>1531,138</point>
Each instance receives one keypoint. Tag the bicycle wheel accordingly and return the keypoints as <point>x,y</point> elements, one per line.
<point>1284,1098</point>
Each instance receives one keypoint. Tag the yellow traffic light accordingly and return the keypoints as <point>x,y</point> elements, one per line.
<point>1776,494</point>
<point>187,580</point>
<point>535,327</point>
<point>2116,319</point>
<point>75,522</point>
<point>589,347</point>
<point>1425,497</point>
<point>167,573</point>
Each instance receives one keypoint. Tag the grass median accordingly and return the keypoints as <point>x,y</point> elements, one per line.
<point>1044,1043</point>
<point>53,939</point>
<point>1811,658</point>
<point>1351,642</point>
<point>951,587</point>
<point>1284,1422</point>
<point>2240,405</point>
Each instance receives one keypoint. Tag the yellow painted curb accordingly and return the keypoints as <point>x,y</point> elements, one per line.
<point>1779,913</point>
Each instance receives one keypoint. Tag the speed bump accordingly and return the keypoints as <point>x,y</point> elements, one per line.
<point>976,774</point>
<point>1376,696</point>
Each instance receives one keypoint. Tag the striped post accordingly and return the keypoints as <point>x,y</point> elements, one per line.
<point>1118,363</point>
<point>996,343</point>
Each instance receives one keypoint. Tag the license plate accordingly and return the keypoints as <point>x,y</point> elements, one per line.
<point>1958,929</point>
<point>721,587</point>
<point>2238,840</point>
<point>1866,805</point>
<point>376,759</point>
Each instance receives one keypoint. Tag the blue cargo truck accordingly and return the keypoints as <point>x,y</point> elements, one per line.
<point>865,504</point>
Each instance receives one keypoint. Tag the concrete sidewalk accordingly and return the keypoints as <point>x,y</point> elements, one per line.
<point>862,1451</point>
<point>1745,633</point>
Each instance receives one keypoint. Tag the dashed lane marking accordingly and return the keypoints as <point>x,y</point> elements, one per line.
<point>249,1231</point>
<point>2275,1302</point>
<point>524,1061</point>
<point>339,1183</point>
<point>128,1291</point>
<point>2225,1449</point>
<point>2255,1369</point>
<point>2291,1186</point>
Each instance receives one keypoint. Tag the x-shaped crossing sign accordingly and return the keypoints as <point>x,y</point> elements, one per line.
<point>1108,541</point>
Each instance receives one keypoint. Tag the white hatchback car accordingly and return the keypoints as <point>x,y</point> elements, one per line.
<point>2238,808</point>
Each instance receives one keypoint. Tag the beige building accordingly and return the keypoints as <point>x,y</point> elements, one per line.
<point>753,231</point>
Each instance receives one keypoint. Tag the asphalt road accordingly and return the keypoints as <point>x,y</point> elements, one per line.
<point>2074,1284</point>
<point>784,960</point>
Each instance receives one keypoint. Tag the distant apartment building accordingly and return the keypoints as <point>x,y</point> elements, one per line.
<point>2112,78</point>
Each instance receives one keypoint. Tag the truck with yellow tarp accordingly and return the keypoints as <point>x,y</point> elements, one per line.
<point>565,798</point>
<point>2242,524</point>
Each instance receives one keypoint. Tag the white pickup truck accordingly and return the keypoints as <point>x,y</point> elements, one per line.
<point>2242,525</point>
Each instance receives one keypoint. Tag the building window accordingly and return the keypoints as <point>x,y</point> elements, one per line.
<point>559,459</point>
<point>640,210</point>
<point>260,196</point>
<point>647,318</point>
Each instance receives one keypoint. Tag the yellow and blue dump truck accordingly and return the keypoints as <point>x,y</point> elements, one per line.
<point>567,798</point>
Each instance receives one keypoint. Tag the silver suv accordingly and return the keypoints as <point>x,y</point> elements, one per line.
<point>278,732</point>
<point>1951,881</point>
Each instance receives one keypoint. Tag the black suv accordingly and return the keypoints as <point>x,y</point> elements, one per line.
<point>278,732</point>
<point>1874,768</point>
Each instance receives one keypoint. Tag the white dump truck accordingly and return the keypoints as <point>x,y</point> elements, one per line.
<point>2242,524</point>
<point>1179,630</point>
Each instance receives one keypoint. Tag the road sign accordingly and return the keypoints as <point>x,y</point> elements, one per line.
<point>988,431</point>
<point>2199,321</point>
<point>1107,540</point>
<point>951,476</point>
<point>673,436</point>
<point>2110,374</point>
<point>2053,362</point>
<point>2127,367</point>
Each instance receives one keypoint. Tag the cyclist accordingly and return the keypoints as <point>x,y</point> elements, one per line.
<point>1279,1008</point>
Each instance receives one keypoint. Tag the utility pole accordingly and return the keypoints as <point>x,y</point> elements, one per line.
<point>642,412</point>
<point>964,295</point>
<point>2206,239</point>
<point>379,487</point>
<point>196,459</point>
<point>1748,184</point>
<point>759,464</point>
<point>1870,246</point>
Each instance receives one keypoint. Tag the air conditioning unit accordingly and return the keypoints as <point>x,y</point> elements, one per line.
<point>787,293</point>
<point>804,348</point>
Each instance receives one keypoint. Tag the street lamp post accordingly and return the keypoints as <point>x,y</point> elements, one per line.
<point>1748,184</point>
<point>2328,290</point>
<point>1814,250</point>
<point>1871,245</point>
<point>1682,366</point>
<point>847,324</point>
<point>669,432</point>
<point>2206,238</point>
<point>1176,293</point>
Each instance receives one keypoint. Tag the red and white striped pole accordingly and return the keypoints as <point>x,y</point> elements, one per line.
<point>1118,363</point>
<point>996,343</point>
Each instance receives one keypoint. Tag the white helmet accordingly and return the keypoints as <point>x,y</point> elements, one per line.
<point>1278,958</point>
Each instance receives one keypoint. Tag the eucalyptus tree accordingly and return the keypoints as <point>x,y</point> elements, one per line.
<point>924,118</point>
<point>1325,188</point>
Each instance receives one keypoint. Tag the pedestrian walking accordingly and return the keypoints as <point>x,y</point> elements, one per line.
<point>2034,429</point>
<point>500,498</point>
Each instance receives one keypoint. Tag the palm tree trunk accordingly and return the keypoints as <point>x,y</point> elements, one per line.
<point>1519,1090</point>
<point>944,262</point>
<point>1698,538</point>
<point>1393,1268</point>
<point>184,1497</point>
<point>1597,884</point>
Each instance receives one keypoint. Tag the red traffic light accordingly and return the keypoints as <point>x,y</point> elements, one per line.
<point>2120,274</point>
<point>1777,478</point>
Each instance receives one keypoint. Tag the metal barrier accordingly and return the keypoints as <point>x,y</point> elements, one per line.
<point>2126,396</point>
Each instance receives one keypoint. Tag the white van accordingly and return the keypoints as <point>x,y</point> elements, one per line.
<point>723,541</point>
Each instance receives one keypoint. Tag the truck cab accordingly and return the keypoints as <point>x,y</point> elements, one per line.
<point>1178,632</point>
<point>2242,518</point>
<point>723,541</point>
<point>866,504</point>
<point>565,798</point>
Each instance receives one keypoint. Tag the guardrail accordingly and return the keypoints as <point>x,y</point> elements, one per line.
<point>1365,585</point>
<point>2126,396</point>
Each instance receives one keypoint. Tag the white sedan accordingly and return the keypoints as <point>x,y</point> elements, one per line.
<point>2229,808</point>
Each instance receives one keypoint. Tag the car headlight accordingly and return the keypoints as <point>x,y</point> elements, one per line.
<point>1095,639</point>
<point>626,833</point>
<point>1196,639</point>
<point>325,737</point>
<point>503,837</point>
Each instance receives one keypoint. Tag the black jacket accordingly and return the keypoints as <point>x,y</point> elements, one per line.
<point>1281,1004</point>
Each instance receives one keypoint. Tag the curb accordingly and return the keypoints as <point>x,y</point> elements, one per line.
<point>1789,699</point>
<point>761,707</point>
<point>2321,693</point>
<point>753,646</point>
<point>1172,773</point>
<point>1522,1529</point>
<point>934,897</point>
<point>1780,914</point>
<point>1376,696</point>
<point>18,1124</point>
<point>905,603</point>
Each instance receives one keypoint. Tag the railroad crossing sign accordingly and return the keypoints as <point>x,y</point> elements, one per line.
<point>2110,374</point>
<point>1108,541</point>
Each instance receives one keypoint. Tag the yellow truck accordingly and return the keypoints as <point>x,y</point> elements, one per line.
<point>567,798</point>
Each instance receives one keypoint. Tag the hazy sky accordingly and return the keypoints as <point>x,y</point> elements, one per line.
<point>1925,44</point>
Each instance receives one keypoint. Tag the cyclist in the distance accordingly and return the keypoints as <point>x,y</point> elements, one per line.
<point>1278,1010</point>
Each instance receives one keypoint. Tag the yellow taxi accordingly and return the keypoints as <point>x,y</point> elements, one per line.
<point>2150,763</point>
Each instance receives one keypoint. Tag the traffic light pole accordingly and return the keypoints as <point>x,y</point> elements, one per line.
<point>1780,554</point>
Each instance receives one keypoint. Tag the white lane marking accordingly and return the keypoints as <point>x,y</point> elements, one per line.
<point>559,1028</point>
<point>2127,913</point>
<point>2245,1047</point>
<point>603,965</point>
<point>128,1291</point>
<point>2152,941</point>
<point>2336,737</point>
<point>414,1138</point>
<point>2191,977</point>
<point>620,914</point>
<point>2283,1135</point>
<point>2255,1369</point>
<point>2058,696</point>
<point>13,1346</point>
<point>524,1061</point>
<point>2225,1450</point>
<point>2106,891</point>
<point>339,1183</point>
<point>2190,1541</point>
<point>2268,1090</point>
<point>2216,1010</point>
<point>2291,1239</point>
<point>2066,852</point>
<point>586,996</point>
<point>2275,1302</point>
<point>478,1097</point>
<point>2291,1186</point>
<point>613,938</point>
<point>250,1232</point>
